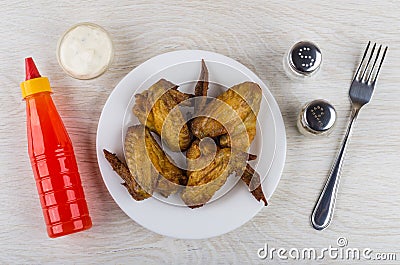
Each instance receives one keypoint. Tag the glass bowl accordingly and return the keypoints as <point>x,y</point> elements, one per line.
<point>85,51</point>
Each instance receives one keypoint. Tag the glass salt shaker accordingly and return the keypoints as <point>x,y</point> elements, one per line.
<point>303,60</point>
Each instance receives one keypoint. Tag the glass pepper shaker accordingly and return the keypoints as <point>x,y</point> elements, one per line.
<point>317,117</point>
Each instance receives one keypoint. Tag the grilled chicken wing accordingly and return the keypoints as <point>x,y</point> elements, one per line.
<point>252,180</point>
<point>208,168</point>
<point>201,88</point>
<point>180,97</point>
<point>122,170</point>
<point>205,177</point>
<point>157,109</point>
<point>239,133</point>
<point>233,112</point>
<point>152,168</point>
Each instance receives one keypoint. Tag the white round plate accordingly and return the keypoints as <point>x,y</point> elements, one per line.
<point>233,205</point>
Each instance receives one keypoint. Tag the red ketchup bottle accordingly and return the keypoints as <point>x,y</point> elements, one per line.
<point>52,158</point>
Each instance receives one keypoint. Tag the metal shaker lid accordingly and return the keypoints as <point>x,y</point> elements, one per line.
<point>305,58</point>
<point>318,117</point>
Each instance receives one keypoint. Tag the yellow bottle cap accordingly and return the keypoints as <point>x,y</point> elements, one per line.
<point>36,85</point>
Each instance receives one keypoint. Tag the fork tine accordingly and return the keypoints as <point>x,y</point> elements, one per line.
<point>362,60</point>
<point>379,68</point>
<point>369,60</point>
<point>373,66</point>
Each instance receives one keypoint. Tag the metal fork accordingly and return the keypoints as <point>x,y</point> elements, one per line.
<point>361,90</point>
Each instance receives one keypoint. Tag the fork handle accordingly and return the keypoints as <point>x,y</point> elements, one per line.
<point>323,211</point>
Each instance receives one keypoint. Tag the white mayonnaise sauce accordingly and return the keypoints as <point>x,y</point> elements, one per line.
<point>85,51</point>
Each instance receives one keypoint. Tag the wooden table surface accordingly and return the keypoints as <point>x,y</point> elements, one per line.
<point>257,34</point>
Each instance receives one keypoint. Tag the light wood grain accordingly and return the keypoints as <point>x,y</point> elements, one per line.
<point>255,33</point>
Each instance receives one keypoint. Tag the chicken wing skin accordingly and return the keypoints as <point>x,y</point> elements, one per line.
<point>155,108</point>
<point>152,168</point>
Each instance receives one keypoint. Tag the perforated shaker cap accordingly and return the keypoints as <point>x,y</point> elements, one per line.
<point>305,58</point>
<point>318,117</point>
